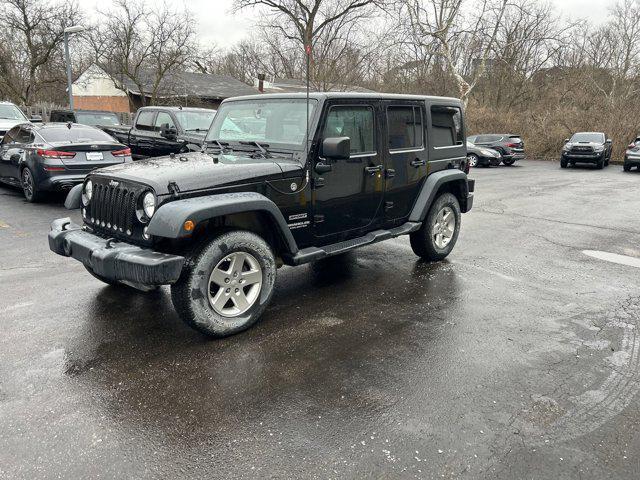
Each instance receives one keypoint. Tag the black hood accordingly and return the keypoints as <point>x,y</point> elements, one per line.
<point>196,171</point>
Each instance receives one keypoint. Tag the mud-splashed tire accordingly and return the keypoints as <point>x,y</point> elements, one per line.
<point>198,298</point>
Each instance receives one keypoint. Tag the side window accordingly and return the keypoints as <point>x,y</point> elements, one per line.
<point>24,136</point>
<point>446,124</point>
<point>10,136</point>
<point>355,122</point>
<point>405,127</point>
<point>163,117</point>
<point>145,120</point>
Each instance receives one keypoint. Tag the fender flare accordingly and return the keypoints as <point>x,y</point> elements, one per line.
<point>430,188</point>
<point>168,221</point>
<point>74,198</point>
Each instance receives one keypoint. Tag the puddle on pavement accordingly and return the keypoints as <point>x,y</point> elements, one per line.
<point>614,258</point>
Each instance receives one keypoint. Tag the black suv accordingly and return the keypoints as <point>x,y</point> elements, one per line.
<point>586,147</point>
<point>217,224</point>
<point>510,147</point>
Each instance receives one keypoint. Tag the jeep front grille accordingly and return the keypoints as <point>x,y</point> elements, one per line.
<point>112,210</point>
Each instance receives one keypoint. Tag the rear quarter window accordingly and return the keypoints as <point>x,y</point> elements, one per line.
<point>446,126</point>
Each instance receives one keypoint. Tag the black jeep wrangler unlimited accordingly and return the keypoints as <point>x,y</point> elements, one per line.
<point>216,224</point>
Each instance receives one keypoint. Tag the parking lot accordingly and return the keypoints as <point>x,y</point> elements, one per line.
<point>516,358</point>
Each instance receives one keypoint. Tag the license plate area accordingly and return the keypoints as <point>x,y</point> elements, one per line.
<point>95,156</point>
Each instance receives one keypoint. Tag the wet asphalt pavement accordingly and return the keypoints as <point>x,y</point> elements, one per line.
<point>518,358</point>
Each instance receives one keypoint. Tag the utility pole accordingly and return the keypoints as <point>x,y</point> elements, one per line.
<point>68,32</point>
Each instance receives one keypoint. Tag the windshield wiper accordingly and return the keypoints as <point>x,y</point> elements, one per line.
<point>196,130</point>
<point>262,148</point>
<point>223,146</point>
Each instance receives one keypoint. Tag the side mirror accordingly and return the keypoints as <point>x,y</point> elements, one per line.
<point>566,140</point>
<point>336,148</point>
<point>168,132</point>
<point>609,141</point>
<point>35,119</point>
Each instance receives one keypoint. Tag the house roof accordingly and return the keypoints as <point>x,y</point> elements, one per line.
<point>201,85</point>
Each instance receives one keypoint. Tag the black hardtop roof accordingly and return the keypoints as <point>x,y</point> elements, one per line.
<point>346,96</point>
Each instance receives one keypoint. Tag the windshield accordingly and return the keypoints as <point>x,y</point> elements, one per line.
<point>97,118</point>
<point>63,134</point>
<point>587,137</point>
<point>273,122</point>
<point>196,121</point>
<point>11,112</point>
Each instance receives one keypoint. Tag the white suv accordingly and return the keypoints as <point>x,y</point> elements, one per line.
<point>10,116</point>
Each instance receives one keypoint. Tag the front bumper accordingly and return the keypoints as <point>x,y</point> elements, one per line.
<point>586,158</point>
<point>114,260</point>
<point>632,159</point>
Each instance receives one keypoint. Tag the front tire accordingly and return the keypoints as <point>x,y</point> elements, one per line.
<point>226,285</point>
<point>600,164</point>
<point>439,232</point>
<point>563,163</point>
<point>626,167</point>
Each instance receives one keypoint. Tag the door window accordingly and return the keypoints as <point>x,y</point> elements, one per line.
<point>162,118</point>
<point>355,122</point>
<point>405,128</point>
<point>145,120</point>
<point>24,136</point>
<point>446,125</point>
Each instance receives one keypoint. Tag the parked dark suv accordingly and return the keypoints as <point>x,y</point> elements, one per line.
<point>510,147</point>
<point>216,224</point>
<point>586,147</point>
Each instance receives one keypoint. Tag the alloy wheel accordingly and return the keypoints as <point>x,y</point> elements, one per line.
<point>27,183</point>
<point>235,284</point>
<point>444,227</point>
<point>473,160</point>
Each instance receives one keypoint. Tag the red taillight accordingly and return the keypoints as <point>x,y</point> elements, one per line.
<point>55,154</point>
<point>121,153</point>
<point>632,145</point>
<point>513,145</point>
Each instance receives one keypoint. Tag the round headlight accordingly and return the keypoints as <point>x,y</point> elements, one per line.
<point>87,193</point>
<point>149,204</point>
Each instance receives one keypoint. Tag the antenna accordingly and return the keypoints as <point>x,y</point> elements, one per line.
<point>307,50</point>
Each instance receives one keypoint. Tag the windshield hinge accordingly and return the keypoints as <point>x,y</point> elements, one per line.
<point>174,190</point>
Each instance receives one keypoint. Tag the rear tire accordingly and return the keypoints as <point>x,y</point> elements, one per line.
<point>626,167</point>
<point>226,284</point>
<point>31,192</point>
<point>508,162</point>
<point>439,232</point>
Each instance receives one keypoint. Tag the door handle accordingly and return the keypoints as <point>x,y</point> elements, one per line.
<point>322,168</point>
<point>418,163</point>
<point>372,170</point>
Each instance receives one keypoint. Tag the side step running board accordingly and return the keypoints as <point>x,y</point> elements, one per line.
<point>316,253</point>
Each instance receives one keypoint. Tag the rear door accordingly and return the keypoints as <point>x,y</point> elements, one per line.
<point>405,157</point>
<point>348,198</point>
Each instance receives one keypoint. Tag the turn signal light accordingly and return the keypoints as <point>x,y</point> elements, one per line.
<point>189,225</point>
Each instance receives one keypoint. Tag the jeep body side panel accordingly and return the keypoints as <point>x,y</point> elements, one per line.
<point>168,221</point>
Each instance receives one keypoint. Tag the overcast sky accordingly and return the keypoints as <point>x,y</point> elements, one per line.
<point>217,24</point>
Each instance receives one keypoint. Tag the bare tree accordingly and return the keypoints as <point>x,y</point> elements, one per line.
<point>144,46</point>
<point>31,39</point>
<point>314,24</point>
<point>445,22</point>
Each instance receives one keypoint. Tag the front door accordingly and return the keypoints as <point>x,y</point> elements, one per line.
<point>348,198</point>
